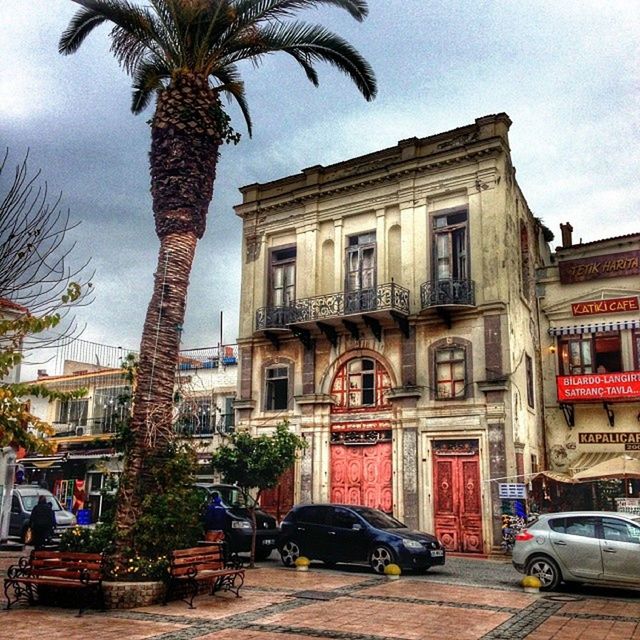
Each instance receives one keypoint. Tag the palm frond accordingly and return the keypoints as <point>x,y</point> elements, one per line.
<point>82,24</point>
<point>252,11</point>
<point>233,86</point>
<point>313,42</point>
<point>148,77</point>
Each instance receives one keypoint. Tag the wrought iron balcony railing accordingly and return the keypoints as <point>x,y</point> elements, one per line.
<point>384,297</point>
<point>448,292</point>
<point>273,318</point>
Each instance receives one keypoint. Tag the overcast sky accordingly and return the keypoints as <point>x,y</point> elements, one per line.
<point>565,72</point>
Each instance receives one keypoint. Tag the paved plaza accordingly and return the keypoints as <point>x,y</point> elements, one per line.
<point>353,604</point>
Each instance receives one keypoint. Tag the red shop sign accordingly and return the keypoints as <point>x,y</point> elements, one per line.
<point>613,305</point>
<point>599,387</point>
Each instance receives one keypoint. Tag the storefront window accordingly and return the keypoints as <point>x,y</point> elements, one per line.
<point>590,353</point>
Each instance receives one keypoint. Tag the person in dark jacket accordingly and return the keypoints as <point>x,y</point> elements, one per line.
<point>216,515</point>
<point>42,523</point>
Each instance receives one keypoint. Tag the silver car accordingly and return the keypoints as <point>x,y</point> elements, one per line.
<point>580,546</point>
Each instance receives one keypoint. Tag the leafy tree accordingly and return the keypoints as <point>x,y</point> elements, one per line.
<point>186,52</point>
<point>257,462</point>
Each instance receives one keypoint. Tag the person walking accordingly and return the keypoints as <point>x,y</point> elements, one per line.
<point>215,518</point>
<point>42,523</point>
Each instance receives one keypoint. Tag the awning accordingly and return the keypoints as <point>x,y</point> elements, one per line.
<point>594,328</point>
<point>587,460</point>
<point>42,462</point>
<point>555,475</point>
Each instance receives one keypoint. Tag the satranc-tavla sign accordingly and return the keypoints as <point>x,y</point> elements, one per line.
<point>599,387</point>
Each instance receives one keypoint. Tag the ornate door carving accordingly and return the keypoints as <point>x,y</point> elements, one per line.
<point>361,474</point>
<point>457,504</point>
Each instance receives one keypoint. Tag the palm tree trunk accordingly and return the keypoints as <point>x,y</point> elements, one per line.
<point>151,422</point>
<point>185,138</point>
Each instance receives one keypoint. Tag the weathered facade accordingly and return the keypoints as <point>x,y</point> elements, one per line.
<point>591,351</point>
<point>389,314</point>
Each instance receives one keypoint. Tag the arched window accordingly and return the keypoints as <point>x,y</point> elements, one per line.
<point>360,383</point>
<point>451,369</point>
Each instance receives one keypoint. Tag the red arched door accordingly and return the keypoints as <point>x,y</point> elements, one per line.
<point>361,466</point>
<point>457,501</point>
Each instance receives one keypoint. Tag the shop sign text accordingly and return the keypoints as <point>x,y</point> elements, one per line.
<point>613,305</point>
<point>626,263</point>
<point>599,387</point>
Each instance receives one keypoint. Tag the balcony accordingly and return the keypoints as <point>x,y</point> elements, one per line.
<point>208,357</point>
<point>376,301</point>
<point>448,292</point>
<point>274,318</point>
<point>86,427</point>
<point>375,306</point>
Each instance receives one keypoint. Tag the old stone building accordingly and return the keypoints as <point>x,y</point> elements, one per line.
<point>589,300</point>
<point>389,314</point>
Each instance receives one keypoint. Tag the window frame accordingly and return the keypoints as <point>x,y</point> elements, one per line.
<point>459,263</point>
<point>529,373</point>
<point>564,353</point>
<point>267,383</point>
<point>451,343</point>
<point>278,259</point>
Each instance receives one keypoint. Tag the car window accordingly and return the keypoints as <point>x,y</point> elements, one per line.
<point>379,519</point>
<point>344,519</point>
<point>314,515</point>
<point>557,524</point>
<point>615,530</point>
<point>584,526</point>
<point>31,501</point>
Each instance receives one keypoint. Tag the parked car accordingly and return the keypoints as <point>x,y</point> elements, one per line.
<point>358,534</point>
<point>580,546</point>
<point>238,527</point>
<point>25,497</point>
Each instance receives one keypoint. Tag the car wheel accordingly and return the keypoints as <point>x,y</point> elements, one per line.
<point>380,557</point>
<point>289,552</point>
<point>546,570</point>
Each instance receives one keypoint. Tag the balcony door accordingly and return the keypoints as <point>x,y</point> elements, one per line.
<point>450,246</point>
<point>360,285</point>
<point>282,285</point>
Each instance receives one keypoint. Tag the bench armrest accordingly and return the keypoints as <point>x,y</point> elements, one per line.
<point>20,570</point>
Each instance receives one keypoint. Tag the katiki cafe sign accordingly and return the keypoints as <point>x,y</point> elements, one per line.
<point>612,305</point>
<point>599,387</point>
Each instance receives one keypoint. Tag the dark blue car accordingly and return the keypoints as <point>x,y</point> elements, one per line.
<point>352,533</point>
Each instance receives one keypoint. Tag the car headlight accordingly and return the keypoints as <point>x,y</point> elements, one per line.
<point>411,544</point>
<point>240,524</point>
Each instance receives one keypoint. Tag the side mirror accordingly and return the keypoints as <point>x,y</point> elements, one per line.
<point>356,527</point>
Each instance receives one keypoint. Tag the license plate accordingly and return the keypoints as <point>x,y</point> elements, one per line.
<point>268,541</point>
<point>437,553</point>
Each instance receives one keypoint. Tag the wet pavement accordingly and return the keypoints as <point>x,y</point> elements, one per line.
<point>466,599</point>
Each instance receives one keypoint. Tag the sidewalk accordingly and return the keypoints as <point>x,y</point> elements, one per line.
<point>283,604</point>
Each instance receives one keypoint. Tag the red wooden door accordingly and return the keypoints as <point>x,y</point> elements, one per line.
<point>362,475</point>
<point>279,500</point>
<point>458,511</point>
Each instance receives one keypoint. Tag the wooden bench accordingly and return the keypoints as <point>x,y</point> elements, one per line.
<point>56,570</point>
<point>190,567</point>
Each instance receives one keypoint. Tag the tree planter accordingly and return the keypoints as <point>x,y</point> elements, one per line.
<point>130,595</point>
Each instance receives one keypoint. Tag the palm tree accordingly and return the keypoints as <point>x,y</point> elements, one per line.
<point>186,53</point>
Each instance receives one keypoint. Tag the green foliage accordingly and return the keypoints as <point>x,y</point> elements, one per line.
<point>257,462</point>
<point>171,507</point>
<point>98,539</point>
<point>18,426</point>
